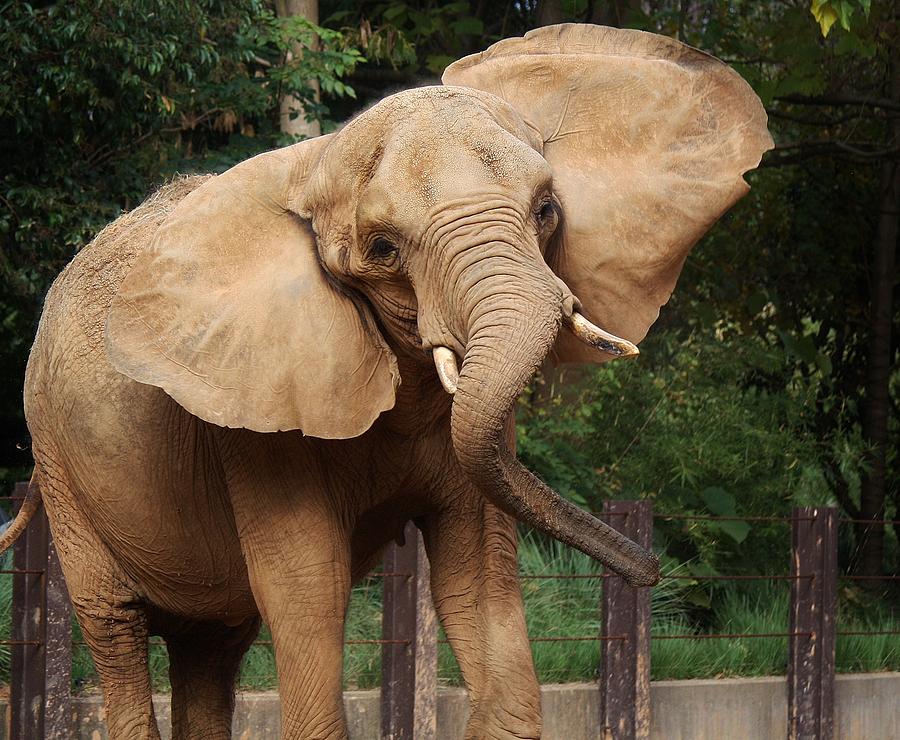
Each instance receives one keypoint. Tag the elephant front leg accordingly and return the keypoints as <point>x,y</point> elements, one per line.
<point>298,559</point>
<point>307,625</point>
<point>300,578</point>
<point>475,586</point>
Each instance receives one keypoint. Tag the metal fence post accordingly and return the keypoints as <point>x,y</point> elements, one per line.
<point>58,651</point>
<point>813,606</point>
<point>409,662</point>
<point>625,617</point>
<point>28,654</point>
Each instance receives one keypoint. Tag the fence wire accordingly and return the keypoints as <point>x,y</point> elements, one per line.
<point>593,621</point>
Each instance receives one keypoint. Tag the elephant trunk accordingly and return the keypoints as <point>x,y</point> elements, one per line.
<point>509,337</point>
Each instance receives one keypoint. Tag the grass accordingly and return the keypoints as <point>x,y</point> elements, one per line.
<point>570,608</point>
<point>762,608</point>
<point>738,612</point>
<point>5,614</point>
<point>567,608</point>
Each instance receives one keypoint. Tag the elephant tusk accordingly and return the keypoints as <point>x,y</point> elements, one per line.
<point>447,370</point>
<point>599,339</point>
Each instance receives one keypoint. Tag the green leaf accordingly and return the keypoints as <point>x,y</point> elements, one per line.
<point>718,501</point>
<point>823,362</point>
<point>845,11</point>
<point>801,347</point>
<point>721,503</point>
<point>698,597</point>
<point>738,531</point>
<point>470,26</point>
<point>706,314</point>
<point>756,302</point>
<point>395,11</point>
<point>437,63</point>
<point>825,15</point>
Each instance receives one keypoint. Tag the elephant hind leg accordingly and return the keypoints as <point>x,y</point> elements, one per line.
<point>112,617</point>
<point>115,630</point>
<point>204,661</point>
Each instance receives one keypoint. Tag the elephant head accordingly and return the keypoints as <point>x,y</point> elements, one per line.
<point>559,178</point>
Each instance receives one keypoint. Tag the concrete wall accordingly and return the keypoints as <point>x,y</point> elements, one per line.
<point>867,708</point>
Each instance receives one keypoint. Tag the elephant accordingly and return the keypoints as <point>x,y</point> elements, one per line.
<point>243,389</point>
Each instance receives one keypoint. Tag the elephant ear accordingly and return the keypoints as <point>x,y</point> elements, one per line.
<point>647,139</point>
<point>230,312</point>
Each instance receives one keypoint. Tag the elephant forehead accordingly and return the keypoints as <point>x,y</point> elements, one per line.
<point>414,182</point>
<point>441,105</point>
<point>417,149</point>
<point>448,166</point>
<point>424,120</point>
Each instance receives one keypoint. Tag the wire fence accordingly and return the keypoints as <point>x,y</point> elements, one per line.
<point>42,644</point>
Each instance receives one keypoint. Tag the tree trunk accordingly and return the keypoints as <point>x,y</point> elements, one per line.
<point>550,12</point>
<point>877,407</point>
<point>613,12</point>
<point>298,126</point>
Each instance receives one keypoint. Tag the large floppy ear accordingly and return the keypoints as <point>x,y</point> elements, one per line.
<point>647,140</point>
<point>230,312</point>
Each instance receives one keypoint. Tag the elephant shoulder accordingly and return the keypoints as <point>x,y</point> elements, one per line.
<point>80,297</point>
<point>70,334</point>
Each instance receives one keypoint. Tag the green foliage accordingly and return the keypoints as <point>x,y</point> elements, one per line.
<point>330,60</point>
<point>410,34</point>
<point>258,671</point>
<point>102,101</point>
<point>762,608</point>
<point>570,607</point>
<point>758,610</point>
<point>6,581</point>
<point>362,663</point>
<point>827,12</point>
<point>694,425</point>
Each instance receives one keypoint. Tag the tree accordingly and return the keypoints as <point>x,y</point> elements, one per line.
<point>293,116</point>
<point>881,354</point>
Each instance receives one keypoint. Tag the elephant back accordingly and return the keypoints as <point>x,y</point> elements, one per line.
<point>75,308</point>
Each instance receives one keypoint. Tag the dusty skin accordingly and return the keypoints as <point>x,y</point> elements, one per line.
<point>233,398</point>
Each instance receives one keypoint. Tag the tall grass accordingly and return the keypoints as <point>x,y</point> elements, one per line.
<point>362,663</point>
<point>570,608</point>
<point>858,653</point>
<point>5,619</point>
<point>763,610</point>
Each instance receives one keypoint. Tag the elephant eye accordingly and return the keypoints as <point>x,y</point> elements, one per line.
<point>382,250</point>
<point>547,213</point>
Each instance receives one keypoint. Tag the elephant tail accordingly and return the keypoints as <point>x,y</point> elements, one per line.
<point>29,506</point>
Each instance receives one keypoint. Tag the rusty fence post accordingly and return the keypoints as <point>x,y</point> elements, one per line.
<point>41,691</point>
<point>58,651</point>
<point>813,606</point>
<point>625,617</point>
<point>409,661</point>
<point>27,653</point>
